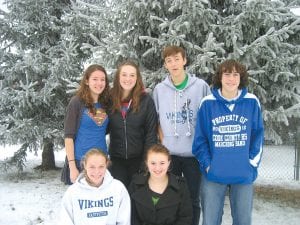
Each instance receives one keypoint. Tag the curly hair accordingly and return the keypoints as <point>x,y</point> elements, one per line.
<point>84,90</point>
<point>136,92</point>
<point>228,66</point>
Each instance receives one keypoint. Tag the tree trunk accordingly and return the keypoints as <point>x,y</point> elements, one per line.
<point>48,158</point>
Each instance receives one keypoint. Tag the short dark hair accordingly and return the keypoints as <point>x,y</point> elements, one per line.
<point>228,66</point>
<point>173,50</point>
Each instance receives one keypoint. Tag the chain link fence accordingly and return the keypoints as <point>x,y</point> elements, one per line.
<point>279,163</point>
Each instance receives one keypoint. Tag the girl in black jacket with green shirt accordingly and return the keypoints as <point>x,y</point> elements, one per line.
<point>159,198</point>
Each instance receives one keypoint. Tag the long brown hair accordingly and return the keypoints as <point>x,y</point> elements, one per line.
<point>136,92</point>
<point>84,90</point>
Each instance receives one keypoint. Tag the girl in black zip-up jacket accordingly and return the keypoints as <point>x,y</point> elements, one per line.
<point>132,122</point>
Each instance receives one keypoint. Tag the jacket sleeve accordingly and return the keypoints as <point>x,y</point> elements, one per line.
<point>66,212</point>
<point>185,211</point>
<point>134,216</point>
<point>151,124</point>
<point>206,89</point>
<point>155,99</point>
<point>257,137</point>
<point>72,117</point>
<point>124,212</point>
<point>200,147</point>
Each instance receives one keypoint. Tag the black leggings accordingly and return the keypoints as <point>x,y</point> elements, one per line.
<point>124,169</point>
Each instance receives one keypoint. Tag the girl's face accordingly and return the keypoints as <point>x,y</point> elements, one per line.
<point>230,82</point>
<point>95,167</point>
<point>128,77</point>
<point>96,83</point>
<point>157,164</point>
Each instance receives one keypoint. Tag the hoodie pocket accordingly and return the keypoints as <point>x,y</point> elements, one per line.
<point>230,166</point>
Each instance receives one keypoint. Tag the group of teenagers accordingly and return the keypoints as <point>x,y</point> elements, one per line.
<point>169,155</point>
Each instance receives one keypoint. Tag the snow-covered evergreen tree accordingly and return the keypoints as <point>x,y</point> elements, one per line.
<point>33,64</point>
<point>44,45</point>
<point>262,34</point>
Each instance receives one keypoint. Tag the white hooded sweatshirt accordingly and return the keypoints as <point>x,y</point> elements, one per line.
<point>108,204</point>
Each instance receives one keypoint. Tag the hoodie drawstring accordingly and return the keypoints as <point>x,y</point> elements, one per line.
<point>175,122</point>
<point>188,133</point>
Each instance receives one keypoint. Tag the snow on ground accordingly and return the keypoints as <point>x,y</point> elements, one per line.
<point>33,197</point>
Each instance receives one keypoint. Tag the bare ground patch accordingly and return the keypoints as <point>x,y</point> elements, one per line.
<point>290,197</point>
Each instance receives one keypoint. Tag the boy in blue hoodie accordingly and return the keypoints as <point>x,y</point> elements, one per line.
<point>228,145</point>
<point>177,100</point>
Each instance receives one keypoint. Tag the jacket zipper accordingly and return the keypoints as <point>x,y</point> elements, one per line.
<point>125,129</point>
<point>126,144</point>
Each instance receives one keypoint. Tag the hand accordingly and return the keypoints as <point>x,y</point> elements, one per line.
<point>73,174</point>
<point>207,169</point>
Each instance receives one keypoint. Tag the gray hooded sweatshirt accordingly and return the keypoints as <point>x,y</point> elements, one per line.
<point>177,111</point>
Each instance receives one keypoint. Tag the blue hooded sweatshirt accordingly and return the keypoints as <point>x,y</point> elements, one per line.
<point>229,138</point>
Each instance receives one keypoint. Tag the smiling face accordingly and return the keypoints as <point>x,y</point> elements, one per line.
<point>95,167</point>
<point>157,164</point>
<point>175,65</point>
<point>96,83</point>
<point>230,83</point>
<point>128,78</point>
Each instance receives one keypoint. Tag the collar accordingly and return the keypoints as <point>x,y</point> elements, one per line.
<point>142,180</point>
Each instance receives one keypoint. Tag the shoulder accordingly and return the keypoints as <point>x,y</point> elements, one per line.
<point>253,97</point>
<point>76,100</point>
<point>145,96</point>
<point>158,86</point>
<point>163,84</point>
<point>116,184</point>
<point>138,181</point>
<point>207,99</point>
<point>177,182</point>
<point>139,178</point>
<point>73,190</point>
<point>197,81</point>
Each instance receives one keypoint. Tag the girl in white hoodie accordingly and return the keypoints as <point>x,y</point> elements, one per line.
<point>96,197</point>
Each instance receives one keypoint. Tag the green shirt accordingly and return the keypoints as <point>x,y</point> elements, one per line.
<point>154,197</point>
<point>183,84</point>
<point>155,200</point>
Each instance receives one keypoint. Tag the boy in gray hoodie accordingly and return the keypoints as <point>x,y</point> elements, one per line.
<point>177,100</point>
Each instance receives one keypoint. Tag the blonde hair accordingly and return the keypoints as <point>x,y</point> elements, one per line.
<point>88,154</point>
<point>91,152</point>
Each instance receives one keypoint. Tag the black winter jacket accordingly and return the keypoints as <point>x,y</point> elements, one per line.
<point>132,136</point>
<point>173,208</point>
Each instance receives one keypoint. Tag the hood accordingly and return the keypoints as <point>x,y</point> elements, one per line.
<point>217,94</point>
<point>81,181</point>
<point>168,81</point>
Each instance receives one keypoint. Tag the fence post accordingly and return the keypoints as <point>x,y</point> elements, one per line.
<point>297,153</point>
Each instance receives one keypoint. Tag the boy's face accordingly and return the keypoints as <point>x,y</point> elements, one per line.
<point>230,81</point>
<point>175,65</point>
